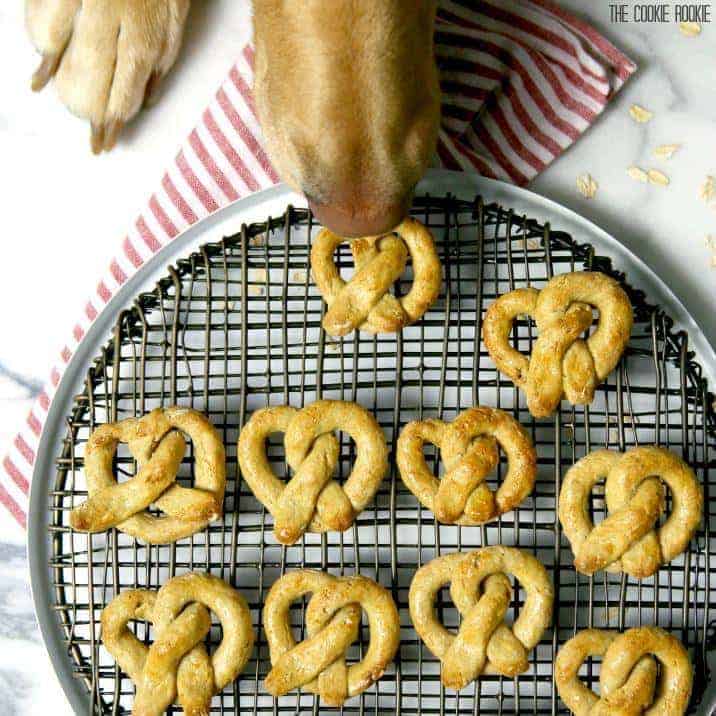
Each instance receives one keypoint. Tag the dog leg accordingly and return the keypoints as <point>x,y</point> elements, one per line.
<point>107,56</point>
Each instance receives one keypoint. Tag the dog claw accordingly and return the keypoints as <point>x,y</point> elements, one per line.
<point>151,93</point>
<point>104,136</point>
<point>44,73</point>
<point>111,133</point>
<point>97,138</point>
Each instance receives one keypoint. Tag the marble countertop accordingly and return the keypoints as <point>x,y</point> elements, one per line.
<point>58,196</point>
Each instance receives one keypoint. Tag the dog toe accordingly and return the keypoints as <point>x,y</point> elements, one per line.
<point>45,72</point>
<point>133,69</point>
<point>49,23</point>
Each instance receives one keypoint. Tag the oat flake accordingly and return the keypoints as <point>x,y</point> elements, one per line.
<point>707,190</point>
<point>657,177</point>
<point>638,174</point>
<point>586,185</point>
<point>690,29</point>
<point>639,114</point>
<point>666,151</point>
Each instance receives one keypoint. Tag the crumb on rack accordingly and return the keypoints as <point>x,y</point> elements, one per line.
<point>256,278</point>
<point>223,305</point>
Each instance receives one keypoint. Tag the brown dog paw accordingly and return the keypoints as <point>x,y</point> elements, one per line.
<point>107,56</point>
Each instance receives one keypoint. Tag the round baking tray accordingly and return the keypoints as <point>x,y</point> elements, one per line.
<point>228,221</point>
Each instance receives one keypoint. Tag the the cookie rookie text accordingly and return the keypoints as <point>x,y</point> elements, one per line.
<point>660,12</point>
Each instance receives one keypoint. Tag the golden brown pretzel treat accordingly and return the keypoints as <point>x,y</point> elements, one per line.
<point>311,500</point>
<point>365,302</point>
<point>562,363</point>
<point>479,587</point>
<point>333,617</point>
<point>628,676</point>
<point>626,541</point>
<point>469,447</point>
<point>157,444</point>
<point>176,667</point>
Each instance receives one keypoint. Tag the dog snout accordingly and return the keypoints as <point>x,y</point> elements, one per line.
<point>351,220</point>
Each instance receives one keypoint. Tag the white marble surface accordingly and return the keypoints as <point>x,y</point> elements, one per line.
<point>65,212</point>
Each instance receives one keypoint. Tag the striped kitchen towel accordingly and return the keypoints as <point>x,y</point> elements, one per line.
<point>521,81</point>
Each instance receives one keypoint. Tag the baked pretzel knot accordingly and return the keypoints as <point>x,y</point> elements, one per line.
<point>365,302</point>
<point>157,444</point>
<point>311,500</point>
<point>561,363</point>
<point>176,667</point>
<point>626,540</point>
<point>481,591</point>
<point>470,452</point>
<point>628,675</point>
<point>332,621</point>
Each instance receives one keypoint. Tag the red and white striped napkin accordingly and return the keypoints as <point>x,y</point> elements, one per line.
<point>521,80</point>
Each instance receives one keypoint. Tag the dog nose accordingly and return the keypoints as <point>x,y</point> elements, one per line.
<point>350,221</point>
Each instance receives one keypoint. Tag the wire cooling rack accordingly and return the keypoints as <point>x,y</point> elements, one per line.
<point>236,326</point>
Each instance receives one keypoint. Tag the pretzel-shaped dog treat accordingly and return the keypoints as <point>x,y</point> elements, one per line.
<point>626,541</point>
<point>333,617</point>
<point>176,666</point>
<point>479,587</point>
<point>157,444</point>
<point>628,676</point>
<point>311,500</point>
<point>365,302</point>
<point>469,448</point>
<point>561,363</point>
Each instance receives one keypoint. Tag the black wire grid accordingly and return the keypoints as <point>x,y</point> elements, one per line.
<point>236,326</point>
